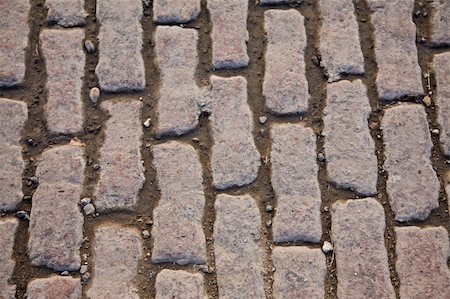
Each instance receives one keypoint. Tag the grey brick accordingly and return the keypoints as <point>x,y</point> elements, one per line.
<point>422,262</point>
<point>339,39</point>
<point>54,287</point>
<point>349,148</point>
<point>177,230</point>
<point>235,159</point>
<point>175,11</point>
<point>64,59</point>
<point>179,284</point>
<point>300,272</point>
<point>237,238</point>
<point>56,226</point>
<point>399,73</point>
<point>121,165</point>
<point>13,41</point>
<point>176,55</point>
<point>294,180</point>
<point>357,232</point>
<point>412,185</point>
<point>120,66</point>
<point>441,65</point>
<point>440,28</point>
<point>66,13</point>
<point>13,116</point>
<point>229,33</point>
<point>8,229</point>
<point>285,86</point>
<point>116,254</point>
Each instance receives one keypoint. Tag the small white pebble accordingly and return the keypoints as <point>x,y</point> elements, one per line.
<point>263,119</point>
<point>85,201</point>
<point>94,94</point>
<point>83,269</point>
<point>65,273</point>
<point>327,247</point>
<point>89,45</point>
<point>145,234</point>
<point>89,209</point>
<point>435,131</point>
<point>147,123</point>
<point>320,157</point>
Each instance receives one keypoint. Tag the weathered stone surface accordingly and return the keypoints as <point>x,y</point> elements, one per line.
<point>175,11</point>
<point>294,180</point>
<point>8,228</point>
<point>176,56</point>
<point>117,251</point>
<point>66,13</point>
<point>12,117</point>
<point>422,262</point>
<point>285,86</point>
<point>120,66</point>
<point>412,185</point>
<point>237,250</point>
<point>235,159</point>
<point>276,1</point>
<point>357,233</point>
<point>441,65</point>
<point>64,61</point>
<point>13,41</point>
<point>440,29</point>
<point>339,39</point>
<point>229,33</point>
<point>121,166</point>
<point>54,287</point>
<point>349,148</point>
<point>179,284</point>
<point>399,74</point>
<point>177,230</point>
<point>56,226</point>
<point>300,272</point>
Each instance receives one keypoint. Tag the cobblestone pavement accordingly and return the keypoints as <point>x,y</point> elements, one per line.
<point>224,149</point>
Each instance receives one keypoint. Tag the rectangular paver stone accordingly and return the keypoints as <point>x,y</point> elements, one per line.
<point>177,230</point>
<point>357,232</point>
<point>294,180</point>
<point>8,229</point>
<point>120,66</point>
<point>339,39</point>
<point>64,61</point>
<point>238,255</point>
<point>412,184</point>
<point>56,225</point>
<point>399,74</point>
<point>440,28</point>
<point>116,255</point>
<point>175,11</point>
<point>121,165</point>
<point>349,147</point>
<point>422,262</point>
<point>229,33</point>
<point>12,117</point>
<point>300,272</point>
<point>13,41</point>
<point>54,287</point>
<point>179,284</point>
<point>177,59</point>
<point>235,159</point>
<point>441,65</point>
<point>285,86</point>
<point>66,13</point>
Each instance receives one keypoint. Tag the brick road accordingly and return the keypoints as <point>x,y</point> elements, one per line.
<point>224,149</point>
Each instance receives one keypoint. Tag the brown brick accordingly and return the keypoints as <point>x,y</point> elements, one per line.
<point>66,13</point>
<point>54,287</point>
<point>179,284</point>
<point>8,229</point>
<point>441,65</point>
<point>175,11</point>
<point>440,29</point>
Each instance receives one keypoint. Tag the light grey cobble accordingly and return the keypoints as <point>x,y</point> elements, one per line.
<point>294,180</point>
<point>440,28</point>
<point>285,86</point>
<point>441,65</point>
<point>175,11</point>
<point>54,287</point>
<point>8,229</point>
<point>66,13</point>
<point>412,184</point>
<point>179,284</point>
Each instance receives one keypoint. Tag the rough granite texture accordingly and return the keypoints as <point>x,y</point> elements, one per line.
<point>56,225</point>
<point>54,287</point>
<point>177,230</point>
<point>349,147</point>
<point>238,255</point>
<point>285,86</point>
<point>175,11</point>
<point>66,13</point>
<point>412,185</point>
<point>294,181</point>
<point>8,227</point>
<point>179,284</point>
<point>441,65</point>
<point>64,62</point>
<point>440,28</point>
<point>421,265</point>
<point>357,233</point>
<point>177,59</point>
